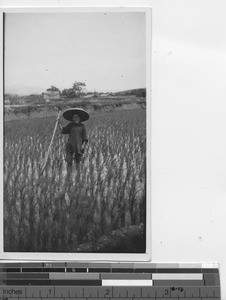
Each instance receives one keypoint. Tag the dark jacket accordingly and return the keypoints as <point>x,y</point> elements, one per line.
<point>77,136</point>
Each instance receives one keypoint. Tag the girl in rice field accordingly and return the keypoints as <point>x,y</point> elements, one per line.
<point>77,139</point>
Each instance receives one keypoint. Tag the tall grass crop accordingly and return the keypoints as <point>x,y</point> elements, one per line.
<point>42,214</point>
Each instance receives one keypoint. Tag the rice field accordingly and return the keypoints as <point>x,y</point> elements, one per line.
<point>42,214</point>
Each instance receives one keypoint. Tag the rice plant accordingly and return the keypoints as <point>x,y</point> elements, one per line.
<point>42,214</point>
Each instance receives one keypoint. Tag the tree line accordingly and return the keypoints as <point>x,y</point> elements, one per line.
<point>77,89</point>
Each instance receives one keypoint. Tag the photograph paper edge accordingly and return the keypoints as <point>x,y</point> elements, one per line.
<point>44,256</point>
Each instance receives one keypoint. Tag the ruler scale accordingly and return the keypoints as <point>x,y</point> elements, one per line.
<point>92,281</point>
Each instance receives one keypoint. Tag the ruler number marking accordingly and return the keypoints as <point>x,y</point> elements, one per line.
<point>166,292</point>
<point>107,293</point>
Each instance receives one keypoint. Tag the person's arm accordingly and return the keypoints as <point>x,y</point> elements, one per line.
<point>59,125</point>
<point>84,139</point>
<point>65,130</point>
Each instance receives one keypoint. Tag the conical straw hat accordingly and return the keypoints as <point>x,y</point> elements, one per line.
<point>69,113</point>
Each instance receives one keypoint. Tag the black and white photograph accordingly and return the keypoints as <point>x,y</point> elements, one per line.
<point>76,86</point>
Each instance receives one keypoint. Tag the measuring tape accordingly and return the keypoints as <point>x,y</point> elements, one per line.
<point>109,280</point>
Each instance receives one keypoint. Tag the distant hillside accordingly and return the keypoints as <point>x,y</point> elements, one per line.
<point>20,89</point>
<point>134,92</point>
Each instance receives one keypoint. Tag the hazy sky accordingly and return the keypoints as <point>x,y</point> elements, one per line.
<point>106,51</point>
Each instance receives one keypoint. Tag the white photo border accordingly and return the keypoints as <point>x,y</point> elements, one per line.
<point>119,257</point>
